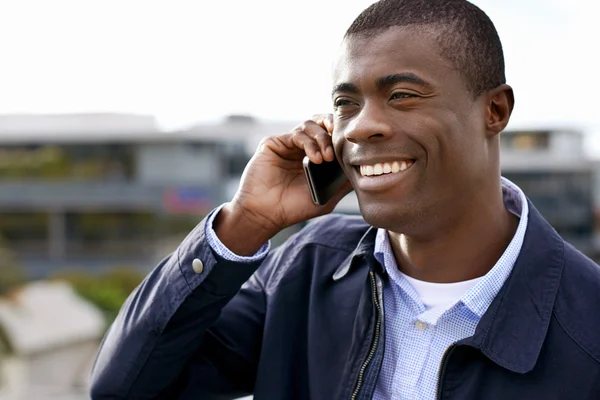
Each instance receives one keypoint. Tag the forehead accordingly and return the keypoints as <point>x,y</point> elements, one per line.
<point>396,50</point>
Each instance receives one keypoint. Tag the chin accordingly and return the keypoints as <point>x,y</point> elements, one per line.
<point>393,218</point>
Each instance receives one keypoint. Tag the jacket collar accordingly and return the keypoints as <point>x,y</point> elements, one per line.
<point>365,247</point>
<point>513,329</point>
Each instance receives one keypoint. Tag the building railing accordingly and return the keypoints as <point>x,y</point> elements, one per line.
<point>72,196</point>
<point>76,249</point>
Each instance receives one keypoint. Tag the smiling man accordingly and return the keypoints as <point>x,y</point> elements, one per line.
<point>450,286</point>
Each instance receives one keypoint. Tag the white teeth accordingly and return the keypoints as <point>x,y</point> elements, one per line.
<point>384,168</point>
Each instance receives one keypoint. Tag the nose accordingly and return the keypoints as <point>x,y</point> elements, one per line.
<point>369,124</point>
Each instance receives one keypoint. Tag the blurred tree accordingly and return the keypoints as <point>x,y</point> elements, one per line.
<point>107,291</point>
<point>11,273</point>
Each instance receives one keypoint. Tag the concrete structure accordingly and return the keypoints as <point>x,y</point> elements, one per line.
<point>551,167</point>
<point>100,190</point>
<point>48,341</point>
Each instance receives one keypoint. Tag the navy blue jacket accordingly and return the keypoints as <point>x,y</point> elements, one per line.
<point>306,324</point>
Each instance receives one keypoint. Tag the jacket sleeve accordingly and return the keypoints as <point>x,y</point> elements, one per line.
<point>183,330</point>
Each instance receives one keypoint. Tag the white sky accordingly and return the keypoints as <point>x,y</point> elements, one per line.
<point>185,61</point>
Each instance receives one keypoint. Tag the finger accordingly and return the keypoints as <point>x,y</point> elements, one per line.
<point>308,144</point>
<point>282,145</point>
<point>324,120</point>
<point>321,136</point>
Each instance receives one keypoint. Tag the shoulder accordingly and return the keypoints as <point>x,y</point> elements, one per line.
<point>316,251</point>
<point>578,300</point>
<point>580,281</point>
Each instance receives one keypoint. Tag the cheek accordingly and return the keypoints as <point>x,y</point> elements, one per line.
<point>446,148</point>
<point>337,139</point>
<point>458,155</point>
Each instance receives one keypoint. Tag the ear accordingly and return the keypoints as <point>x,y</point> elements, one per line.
<point>500,103</point>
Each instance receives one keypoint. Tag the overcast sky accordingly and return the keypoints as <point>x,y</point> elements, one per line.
<point>185,61</point>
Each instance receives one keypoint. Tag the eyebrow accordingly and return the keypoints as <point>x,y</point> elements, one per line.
<point>407,77</point>
<point>383,82</point>
<point>345,87</point>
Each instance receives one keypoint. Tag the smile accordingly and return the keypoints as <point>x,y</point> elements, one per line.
<point>391,167</point>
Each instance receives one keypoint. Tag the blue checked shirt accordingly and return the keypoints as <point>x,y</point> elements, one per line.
<point>416,338</point>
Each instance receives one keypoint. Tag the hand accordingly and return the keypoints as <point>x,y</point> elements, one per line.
<point>273,192</point>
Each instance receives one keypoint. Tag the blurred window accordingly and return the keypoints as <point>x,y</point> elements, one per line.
<point>96,162</point>
<point>89,227</point>
<point>236,158</point>
<point>19,226</point>
<point>25,232</point>
<point>526,141</point>
<point>109,233</point>
<point>564,198</point>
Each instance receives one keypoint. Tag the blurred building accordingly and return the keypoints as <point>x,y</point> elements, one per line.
<point>552,169</point>
<point>48,341</point>
<point>102,190</point>
<point>97,191</point>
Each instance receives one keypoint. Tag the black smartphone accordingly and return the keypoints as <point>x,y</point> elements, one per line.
<point>324,180</point>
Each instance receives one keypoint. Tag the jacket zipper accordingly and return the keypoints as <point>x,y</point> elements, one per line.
<point>442,370</point>
<point>375,340</point>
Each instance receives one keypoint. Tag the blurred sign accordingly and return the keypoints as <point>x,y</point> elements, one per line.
<point>187,201</point>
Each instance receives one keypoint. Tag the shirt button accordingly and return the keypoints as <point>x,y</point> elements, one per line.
<point>420,325</point>
<point>197,266</point>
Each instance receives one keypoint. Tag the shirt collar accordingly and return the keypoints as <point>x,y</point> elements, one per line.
<point>479,297</point>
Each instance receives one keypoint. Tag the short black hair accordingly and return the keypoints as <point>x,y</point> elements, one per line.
<point>464,33</point>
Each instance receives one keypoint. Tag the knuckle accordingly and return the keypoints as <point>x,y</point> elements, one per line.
<point>299,131</point>
<point>309,123</point>
<point>311,145</point>
<point>302,126</point>
<point>322,118</point>
<point>267,140</point>
<point>324,137</point>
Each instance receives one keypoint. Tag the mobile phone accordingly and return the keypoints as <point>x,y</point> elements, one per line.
<point>324,180</point>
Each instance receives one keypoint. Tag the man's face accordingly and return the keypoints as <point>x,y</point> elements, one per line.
<point>400,106</point>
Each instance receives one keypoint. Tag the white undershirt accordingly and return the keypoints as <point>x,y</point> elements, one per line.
<point>440,295</point>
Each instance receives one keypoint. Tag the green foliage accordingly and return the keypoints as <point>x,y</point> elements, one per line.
<point>107,291</point>
<point>11,274</point>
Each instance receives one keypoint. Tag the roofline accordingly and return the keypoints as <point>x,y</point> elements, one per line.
<point>128,128</point>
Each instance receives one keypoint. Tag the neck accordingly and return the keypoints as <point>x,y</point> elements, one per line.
<point>463,248</point>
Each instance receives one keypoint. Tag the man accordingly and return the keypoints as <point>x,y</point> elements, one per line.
<point>452,287</point>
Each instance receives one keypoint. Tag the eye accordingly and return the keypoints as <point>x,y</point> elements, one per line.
<point>402,96</point>
<point>342,103</point>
